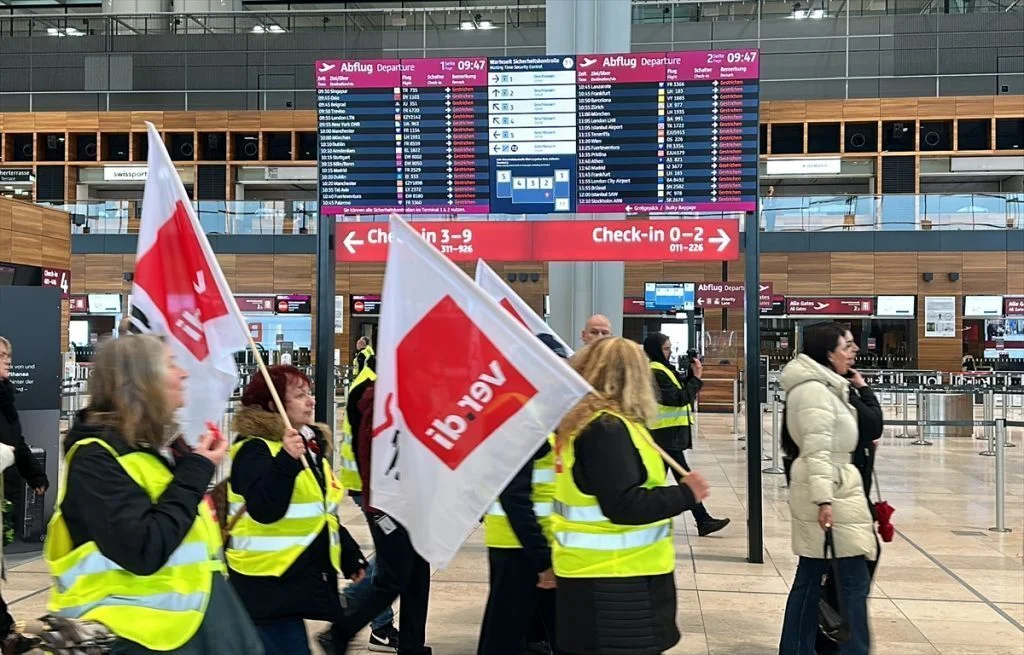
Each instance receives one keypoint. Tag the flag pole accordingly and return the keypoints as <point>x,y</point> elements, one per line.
<point>673,464</point>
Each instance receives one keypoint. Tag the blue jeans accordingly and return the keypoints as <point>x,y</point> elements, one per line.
<point>355,593</point>
<point>800,626</point>
<point>284,637</point>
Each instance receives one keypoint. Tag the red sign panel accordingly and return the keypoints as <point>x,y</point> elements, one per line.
<point>829,306</point>
<point>255,303</point>
<point>730,295</point>
<point>461,241</point>
<point>554,241</point>
<point>625,241</point>
<point>79,304</point>
<point>60,278</point>
<point>636,306</point>
<point>1013,305</point>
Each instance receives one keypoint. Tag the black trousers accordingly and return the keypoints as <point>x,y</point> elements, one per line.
<point>513,602</point>
<point>700,515</point>
<point>400,572</point>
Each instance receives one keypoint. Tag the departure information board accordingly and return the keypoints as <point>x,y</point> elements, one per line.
<point>633,133</point>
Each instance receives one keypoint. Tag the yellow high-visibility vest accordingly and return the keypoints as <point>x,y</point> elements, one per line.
<point>260,549</point>
<point>349,470</point>
<point>498,531</point>
<point>670,416</point>
<point>162,611</point>
<point>587,544</point>
<point>367,353</point>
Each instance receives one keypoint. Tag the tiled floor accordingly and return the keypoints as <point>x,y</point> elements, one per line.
<point>936,591</point>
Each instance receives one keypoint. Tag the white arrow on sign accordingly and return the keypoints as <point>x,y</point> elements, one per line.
<point>722,239</point>
<point>350,242</point>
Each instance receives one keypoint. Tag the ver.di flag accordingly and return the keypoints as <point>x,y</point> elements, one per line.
<point>496,288</point>
<point>465,396</point>
<point>180,293</point>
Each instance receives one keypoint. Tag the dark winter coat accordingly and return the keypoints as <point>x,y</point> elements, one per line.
<point>679,437</point>
<point>10,433</point>
<point>309,588</point>
<point>870,424</point>
<point>103,504</point>
<point>517,503</point>
<point>619,616</point>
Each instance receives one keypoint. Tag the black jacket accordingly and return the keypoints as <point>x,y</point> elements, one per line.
<point>10,433</point>
<point>627,616</point>
<point>518,506</point>
<point>870,424</point>
<point>680,437</point>
<point>103,504</point>
<point>309,588</point>
<point>355,420</point>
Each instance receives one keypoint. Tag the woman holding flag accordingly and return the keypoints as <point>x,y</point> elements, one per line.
<point>287,545</point>
<point>612,521</point>
<point>133,544</point>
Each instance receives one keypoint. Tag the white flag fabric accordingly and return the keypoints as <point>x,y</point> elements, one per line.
<point>179,293</point>
<point>496,288</point>
<point>464,397</point>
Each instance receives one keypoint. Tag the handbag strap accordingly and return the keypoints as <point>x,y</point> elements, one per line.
<point>878,488</point>
<point>833,563</point>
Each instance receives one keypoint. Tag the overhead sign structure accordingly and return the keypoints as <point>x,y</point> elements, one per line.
<point>828,306</point>
<point>633,133</point>
<point>498,241</point>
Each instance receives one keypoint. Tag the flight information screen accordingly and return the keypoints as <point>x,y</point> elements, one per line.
<point>639,132</point>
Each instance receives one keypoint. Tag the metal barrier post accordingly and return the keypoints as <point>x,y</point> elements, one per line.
<point>1007,441</point>
<point>905,404</point>
<point>988,414</point>
<point>775,469</point>
<point>1000,431</point>
<point>736,408</point>
<point>764,456</point>
<point>921,419</point>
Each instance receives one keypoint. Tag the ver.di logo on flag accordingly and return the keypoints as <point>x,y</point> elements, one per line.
<point>457,398</point>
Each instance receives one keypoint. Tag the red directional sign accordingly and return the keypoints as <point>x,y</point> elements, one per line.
<point>461,241</point>
<point>1013,305</point>
<point>626,241</point>
<point>829,306</point>
<point>554,241</point>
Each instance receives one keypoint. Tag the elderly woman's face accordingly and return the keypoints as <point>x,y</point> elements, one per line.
<point>175,380</point>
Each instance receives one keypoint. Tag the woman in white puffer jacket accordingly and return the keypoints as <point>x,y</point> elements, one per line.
<point>826,491</point>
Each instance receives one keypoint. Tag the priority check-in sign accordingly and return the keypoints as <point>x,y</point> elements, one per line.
<point>554,241</point>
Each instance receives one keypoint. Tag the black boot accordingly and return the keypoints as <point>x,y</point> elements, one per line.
<point>711,526</point>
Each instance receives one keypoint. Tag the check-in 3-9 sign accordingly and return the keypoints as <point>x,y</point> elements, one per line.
<point>614,240</point>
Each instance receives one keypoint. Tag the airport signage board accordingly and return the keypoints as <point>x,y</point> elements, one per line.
<point>829,306</point>
<point>1013,306</point>
<point>59,278</point>
<point>983,306</point>
<point>895,306</point>
<point>554,241</point>
<point>609,133</point>
<point>730,295</point>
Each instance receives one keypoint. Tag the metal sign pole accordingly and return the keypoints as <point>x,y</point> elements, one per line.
<point>1000,430</point>
<point>752,352</point>
<point>775,469</point>
<point>921,420</point>
<point>906,414</point>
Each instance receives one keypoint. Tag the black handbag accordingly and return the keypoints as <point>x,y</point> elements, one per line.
<point>831,621</point>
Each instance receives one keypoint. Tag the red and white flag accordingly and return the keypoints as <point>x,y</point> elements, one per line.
<point>465,396</point>
<point>496,288</point>
<point>180,294</point>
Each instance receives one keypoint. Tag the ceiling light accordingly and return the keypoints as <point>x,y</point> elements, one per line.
<point>258,29</point>
<point>276,29</point>
<point>9,188</point>
<point>467,25</point>
<point>485,25</point>
<point>52,31</point>
<point>817,13</point>
<point>73,31</point>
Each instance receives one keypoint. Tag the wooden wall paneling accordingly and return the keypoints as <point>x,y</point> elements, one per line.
<point>685,272</point>
<point>862,110</point>
<point>211,121</point>
<point>140,118</point>
<point>940,265</point>
<point>775,269</point>
<point>78,275</point>
<point>896,273</point>
<point>254,273</point>
<point>341,278</point>
<point>180,121</point>
<point>277,121</point>
<point>933,108</point>
<point>974,106</point>
<point>51,121</point>
<point>365,278</point>
<point>809,273</point>
<point>83,121</point>
<point>304,120</point>
<point>103,273</point>
<point>984,273</point>
<point>852,274</point>
<point>639,272</point>
<point>65,324</point>
<point>898,109</point>
<point>27,248</point>
<point>27,219</point>
<point>1015,273</point>
<point>789,111</point>
<point>115,121</point>
<point>294,273</point>
<point>20,122</point>
<point>227,266</point>
<point>6,215</point>
<point>244,121</point>
<point>1007,106</point>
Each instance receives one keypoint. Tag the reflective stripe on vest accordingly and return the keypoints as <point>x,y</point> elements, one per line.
<point>498,532</point>
<point>140,608</point>
<point>586,543</point>
<point>268,550</point>
<point>669,416</point>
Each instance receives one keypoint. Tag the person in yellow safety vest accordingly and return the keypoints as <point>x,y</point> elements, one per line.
<point>364,351</point>
<point>613,552</point>
<point>133,543</point>
<point>672,427</point>
<point>517,532</point>
<point>287,546</point>
<point>383,633</point>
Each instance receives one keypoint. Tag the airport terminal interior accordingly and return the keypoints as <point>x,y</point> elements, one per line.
<point>647,160</point>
